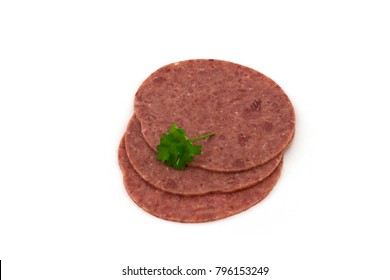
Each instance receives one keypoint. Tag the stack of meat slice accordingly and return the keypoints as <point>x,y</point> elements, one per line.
<point>252,119</point>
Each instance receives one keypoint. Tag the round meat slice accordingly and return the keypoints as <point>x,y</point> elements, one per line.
<point>252,118</point>
<point>191,209</point>
<point>192,181</point>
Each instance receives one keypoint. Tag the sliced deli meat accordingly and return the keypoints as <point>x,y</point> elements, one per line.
<point>191,209</point>
<point>241,122</point>
<point>191,181</point>
<point>252,118</point>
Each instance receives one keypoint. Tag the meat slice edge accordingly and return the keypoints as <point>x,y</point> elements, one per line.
<point>192,181</point>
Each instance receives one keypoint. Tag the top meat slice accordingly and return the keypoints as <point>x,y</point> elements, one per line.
<point>252,118</point>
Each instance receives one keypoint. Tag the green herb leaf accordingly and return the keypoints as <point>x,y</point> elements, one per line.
<point>176,149</point>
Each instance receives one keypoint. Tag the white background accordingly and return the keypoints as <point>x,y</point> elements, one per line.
<point>68,74</point>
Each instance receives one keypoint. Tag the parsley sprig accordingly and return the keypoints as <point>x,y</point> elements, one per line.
<point>176,149</point>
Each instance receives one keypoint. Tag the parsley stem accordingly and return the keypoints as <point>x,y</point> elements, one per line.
<point>201,137</point>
